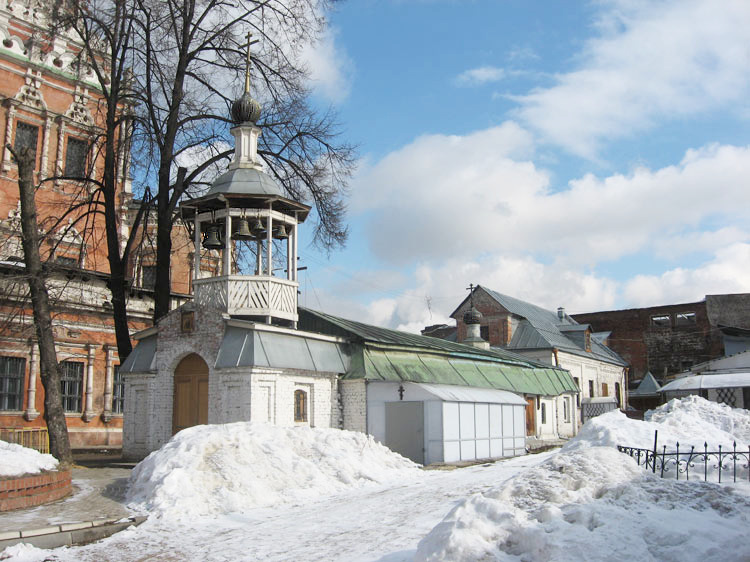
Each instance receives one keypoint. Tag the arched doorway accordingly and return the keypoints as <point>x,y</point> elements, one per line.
<point>190,393</point>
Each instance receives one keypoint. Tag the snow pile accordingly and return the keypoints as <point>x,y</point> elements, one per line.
<point>696,415</point>
<point>16,460</point>
<point>591,504</point>
<point>217,469</point>
<point>590,499</point>
<point>691,421</point>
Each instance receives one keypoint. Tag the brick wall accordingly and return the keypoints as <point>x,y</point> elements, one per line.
<point>354,404</point>
<point>37,489</point>
<point>662,350</point>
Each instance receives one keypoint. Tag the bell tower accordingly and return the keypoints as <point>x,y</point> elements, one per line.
<point>246,217</point>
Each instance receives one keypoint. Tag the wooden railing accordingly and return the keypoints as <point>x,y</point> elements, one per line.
<point>33,438</point>
<point>249,295</point>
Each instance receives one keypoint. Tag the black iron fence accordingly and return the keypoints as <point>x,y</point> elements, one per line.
<point>731,463</point>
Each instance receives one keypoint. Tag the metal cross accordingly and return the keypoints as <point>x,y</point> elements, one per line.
<point>470,288</point>
<point>247,62</point>
<point>401,392</point>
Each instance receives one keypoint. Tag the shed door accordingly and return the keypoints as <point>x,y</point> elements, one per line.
<point>530,415</point>
<point>404,429</point>
<point>190,405</point>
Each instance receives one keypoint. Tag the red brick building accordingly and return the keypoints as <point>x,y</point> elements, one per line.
<point>669,339</point>
<point>50,103</point>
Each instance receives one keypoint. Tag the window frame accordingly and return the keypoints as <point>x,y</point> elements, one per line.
<point>118,391</point>
<point>6,378</point>
<point>80,164</point>
<point>71,387</point>
<point>683,319</point>
<point>300,406</point>
<point>20,124</point>
<point>661,321</point>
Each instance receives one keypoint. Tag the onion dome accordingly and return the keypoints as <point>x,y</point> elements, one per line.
<point>472,316</point>
<point>245,109</point>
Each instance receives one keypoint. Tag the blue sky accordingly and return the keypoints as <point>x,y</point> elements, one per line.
<point>591,155</point>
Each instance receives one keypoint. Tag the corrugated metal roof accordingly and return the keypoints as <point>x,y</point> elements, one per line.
<point>548,327</point>
<point>316,321</point>
<point>141,358</point>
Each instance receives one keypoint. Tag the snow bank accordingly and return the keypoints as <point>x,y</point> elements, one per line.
<point>216,469</point>
<point>590,501</point>
<point>16,460</point>
<point>691,421</point>
<point>592,504</point>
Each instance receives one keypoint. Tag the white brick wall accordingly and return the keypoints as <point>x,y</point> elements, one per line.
<point>236,394</point>
<point>354,404</point>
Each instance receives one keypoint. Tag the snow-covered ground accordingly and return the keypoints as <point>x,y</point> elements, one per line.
<point>584,502</point>
<point>16,460</point>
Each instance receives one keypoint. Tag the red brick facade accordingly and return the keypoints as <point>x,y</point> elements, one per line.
<point>46,93</point>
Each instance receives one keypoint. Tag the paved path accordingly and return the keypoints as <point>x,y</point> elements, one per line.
<point>98,493</point>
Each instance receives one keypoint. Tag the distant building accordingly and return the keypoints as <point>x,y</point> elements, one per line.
<point>669,339</point>
<point>725,380</point>
<point>553,338</point>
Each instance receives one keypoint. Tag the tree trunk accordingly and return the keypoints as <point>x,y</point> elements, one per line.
<point>54,415</point>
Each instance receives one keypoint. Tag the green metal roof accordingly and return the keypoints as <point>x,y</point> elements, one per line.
<point>390,355</point>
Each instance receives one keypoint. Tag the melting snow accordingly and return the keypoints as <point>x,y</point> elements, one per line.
<point>16,460</point>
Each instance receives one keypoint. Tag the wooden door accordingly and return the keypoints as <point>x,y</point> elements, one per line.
<point>530,415</point>
<point>190,405</point>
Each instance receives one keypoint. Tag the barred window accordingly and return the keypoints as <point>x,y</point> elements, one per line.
<point>71,385</point>
<point>75,158</point>
<point>300,406</point>
<point>544,413</point>
<point>26,137</point>
<point>12,371</point>
<point>148,277</point>
<point>118,392</point>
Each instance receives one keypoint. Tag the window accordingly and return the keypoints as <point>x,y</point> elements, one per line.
<point>605,389</point>
<point>578,396</point>
<point>75,158</point>
<point>71,384</point>
<point>684,319</point>
<point>591,389</point>
<point>300,406</point>
<point>484,333</point>
<point>544,413</point>
<point>617,393</point>
<point>148,276</point>
<point>587,340</point>
<point>661,321</point>
<point>26,137</point>
<point>12,371</point>
<point>566,410</point>
<point>66,261</point>
<point>118,392</point>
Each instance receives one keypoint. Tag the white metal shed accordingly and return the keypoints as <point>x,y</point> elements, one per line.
<point>431,423</point>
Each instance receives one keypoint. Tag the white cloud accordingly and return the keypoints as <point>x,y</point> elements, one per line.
<point>331,68</point>
<point>725,273</point>
<point>651,61</point>
<point>481,75</point>
<point>443,197</point>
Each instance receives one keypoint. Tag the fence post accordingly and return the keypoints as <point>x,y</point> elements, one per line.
<point>653,468</point>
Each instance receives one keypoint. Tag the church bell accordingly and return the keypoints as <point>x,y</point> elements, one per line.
<point>243,231</point>
<point>212,242</point>
<point>280,232</point>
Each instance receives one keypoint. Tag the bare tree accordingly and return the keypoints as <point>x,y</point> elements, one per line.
<point>168,70</point>
<point>54,414</point>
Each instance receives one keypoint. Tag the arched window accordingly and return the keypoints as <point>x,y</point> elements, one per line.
<point>300,406</point>
<point>544,413</point>
<point>566,410</point>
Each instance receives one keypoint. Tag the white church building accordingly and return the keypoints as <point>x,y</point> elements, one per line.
<point>244,351</point>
